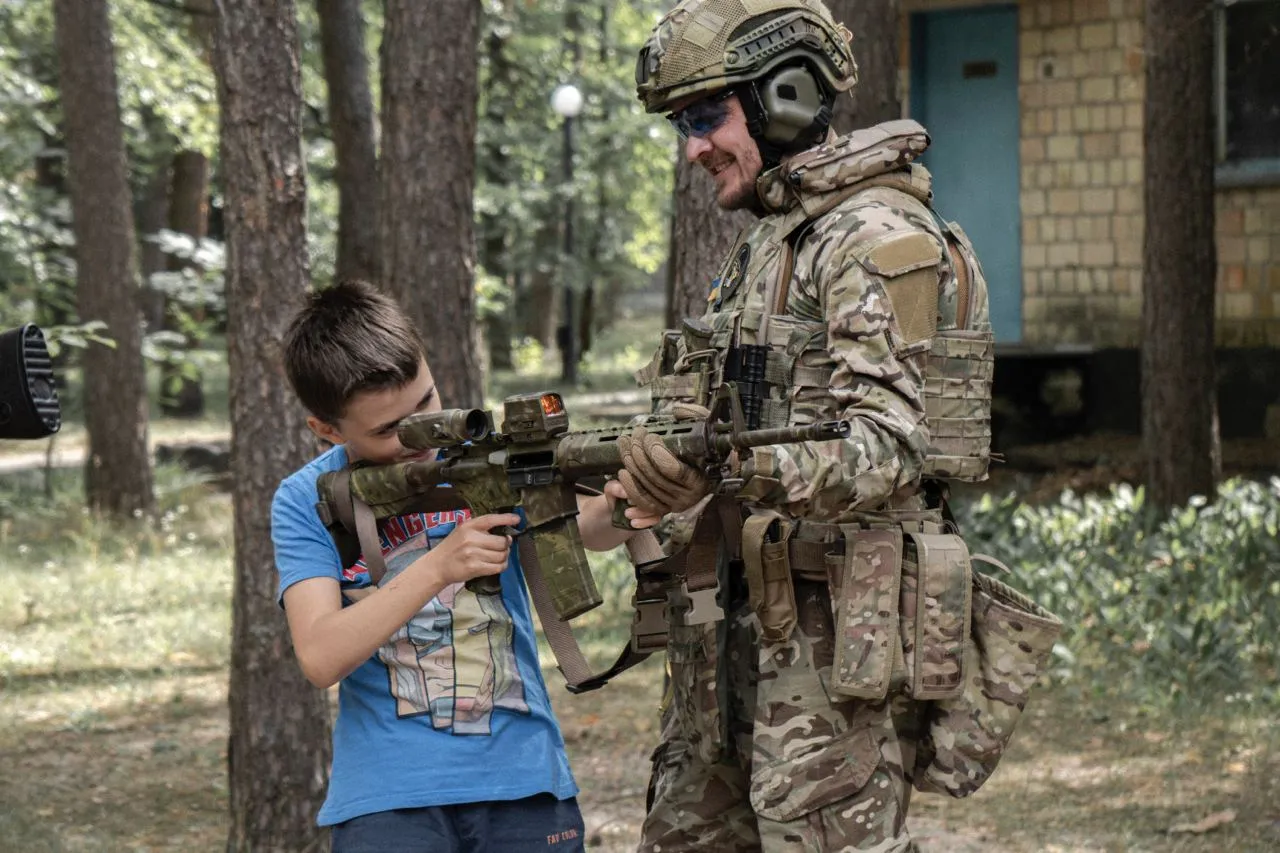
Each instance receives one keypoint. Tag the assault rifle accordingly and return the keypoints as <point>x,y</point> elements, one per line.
<point>533,464</point>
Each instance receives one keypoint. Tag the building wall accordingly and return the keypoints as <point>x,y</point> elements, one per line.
<point>1081,86</point>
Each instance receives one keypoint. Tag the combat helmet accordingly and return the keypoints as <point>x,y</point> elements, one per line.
<point>704,46</point>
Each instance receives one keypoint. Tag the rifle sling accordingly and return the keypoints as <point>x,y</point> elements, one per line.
<point>356,517</point>
<point>564,645</point>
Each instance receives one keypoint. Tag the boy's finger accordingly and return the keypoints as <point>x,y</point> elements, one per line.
<point>497,519</point>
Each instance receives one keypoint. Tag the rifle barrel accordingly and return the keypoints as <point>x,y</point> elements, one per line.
<point>820,431</point>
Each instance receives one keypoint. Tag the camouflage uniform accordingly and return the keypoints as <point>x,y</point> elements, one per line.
<point>804,768</point>
<point>860,655</point>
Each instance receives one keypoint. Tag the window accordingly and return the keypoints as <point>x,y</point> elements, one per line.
<point>1248,96</point>
<point>1248,90</point>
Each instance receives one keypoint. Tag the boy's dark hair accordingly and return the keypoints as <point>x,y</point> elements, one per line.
<point>348,339</point>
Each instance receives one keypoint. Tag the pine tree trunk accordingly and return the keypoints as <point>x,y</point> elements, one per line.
<point>279,750</point>
<point>118,471</point>
<point>427,175</point>
<point>1179,260</point>
<point>351,116</point>
<point>181,394</point>
<point>875,26</point>
<point>701,236</point>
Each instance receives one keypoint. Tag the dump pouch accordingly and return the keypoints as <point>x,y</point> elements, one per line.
<point>965,736</point>
<point>865,605</point>
<point>936,606</point>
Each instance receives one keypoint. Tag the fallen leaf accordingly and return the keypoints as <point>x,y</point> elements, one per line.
<point>1207,824</point>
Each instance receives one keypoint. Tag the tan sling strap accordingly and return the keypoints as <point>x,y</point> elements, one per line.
<point>356,517</point>
<point>570,660</point>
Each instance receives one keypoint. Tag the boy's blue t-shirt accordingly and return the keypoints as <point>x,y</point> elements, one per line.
<point>453,708</point>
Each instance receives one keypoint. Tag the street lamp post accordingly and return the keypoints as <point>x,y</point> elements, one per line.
<point>566,100</point>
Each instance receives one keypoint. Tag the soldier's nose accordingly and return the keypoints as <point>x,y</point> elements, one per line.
<point>695,147</point>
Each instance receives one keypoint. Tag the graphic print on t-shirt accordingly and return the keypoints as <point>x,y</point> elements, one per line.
<point>455,660</point>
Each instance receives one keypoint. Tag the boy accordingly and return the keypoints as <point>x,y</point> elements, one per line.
<point>445,738</point>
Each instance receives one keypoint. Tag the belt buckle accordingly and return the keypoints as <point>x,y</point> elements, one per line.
<point>702,605</point>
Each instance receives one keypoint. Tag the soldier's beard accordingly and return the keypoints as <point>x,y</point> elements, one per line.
<point>739,191</point>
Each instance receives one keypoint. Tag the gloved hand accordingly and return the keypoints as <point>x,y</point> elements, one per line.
<point>655,479</point>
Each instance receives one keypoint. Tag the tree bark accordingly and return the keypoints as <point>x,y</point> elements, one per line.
<point>875,26</point>
<point>279,749</point>
<point>182,395</point>
<point>1179,411</point>
<point>351,117</point>
<point>701,236</point>
<point>427,176</point>
<point>118,471</point>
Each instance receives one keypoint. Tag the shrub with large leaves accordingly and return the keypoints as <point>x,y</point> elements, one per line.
<point>1176,609</point>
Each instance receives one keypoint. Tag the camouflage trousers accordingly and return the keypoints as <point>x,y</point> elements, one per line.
<point>757,754</point>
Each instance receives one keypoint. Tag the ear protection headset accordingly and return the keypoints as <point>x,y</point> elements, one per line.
<point>786,111</point>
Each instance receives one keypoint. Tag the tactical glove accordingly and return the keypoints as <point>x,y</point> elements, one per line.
<point>655,479</point>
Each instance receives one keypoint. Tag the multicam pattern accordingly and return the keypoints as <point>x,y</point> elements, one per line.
<point>839,336</point>
<point>690,53</point>
<point>967,735</point>
<point>935,611</point>
<point>791,768</point>
<point>761,748</point>
<point>867,614</point>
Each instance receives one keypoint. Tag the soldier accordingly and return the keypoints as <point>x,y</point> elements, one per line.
<point>802,719</point>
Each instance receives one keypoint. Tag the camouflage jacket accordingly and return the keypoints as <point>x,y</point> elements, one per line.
<point>854,215</point>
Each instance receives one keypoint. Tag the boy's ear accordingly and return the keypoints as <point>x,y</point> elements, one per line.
<point>324,430</point>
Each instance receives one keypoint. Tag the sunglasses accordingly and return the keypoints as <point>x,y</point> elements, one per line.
<point>701,117</point>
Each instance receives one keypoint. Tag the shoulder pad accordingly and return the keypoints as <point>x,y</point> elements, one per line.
<point>895,254</point>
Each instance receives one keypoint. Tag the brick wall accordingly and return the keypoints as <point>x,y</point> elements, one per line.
<point>1081,86</point>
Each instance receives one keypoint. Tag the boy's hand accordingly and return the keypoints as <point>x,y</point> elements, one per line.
<point>639,518</point>
<point>471,551</point>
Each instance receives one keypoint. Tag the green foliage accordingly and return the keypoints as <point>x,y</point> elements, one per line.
<point>1178,610</point>
<point>623,157</point>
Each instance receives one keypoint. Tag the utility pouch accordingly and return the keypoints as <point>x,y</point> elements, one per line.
<point>967,735</point>
<point>770,589</point>
<point>865,605</point>
<point>936,605</point>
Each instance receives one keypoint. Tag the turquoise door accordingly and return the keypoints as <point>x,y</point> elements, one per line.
<point>964,90</point>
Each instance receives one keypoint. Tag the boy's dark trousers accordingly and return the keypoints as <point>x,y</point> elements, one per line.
<point>540,823</point>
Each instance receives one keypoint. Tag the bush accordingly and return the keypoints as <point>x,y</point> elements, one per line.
<point>1172,610</point>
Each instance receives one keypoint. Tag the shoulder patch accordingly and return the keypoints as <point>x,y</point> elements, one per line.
<point>896,254</point>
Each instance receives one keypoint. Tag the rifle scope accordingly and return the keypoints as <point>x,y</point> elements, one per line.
<point>449,428</point>
<point>28,397</point>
